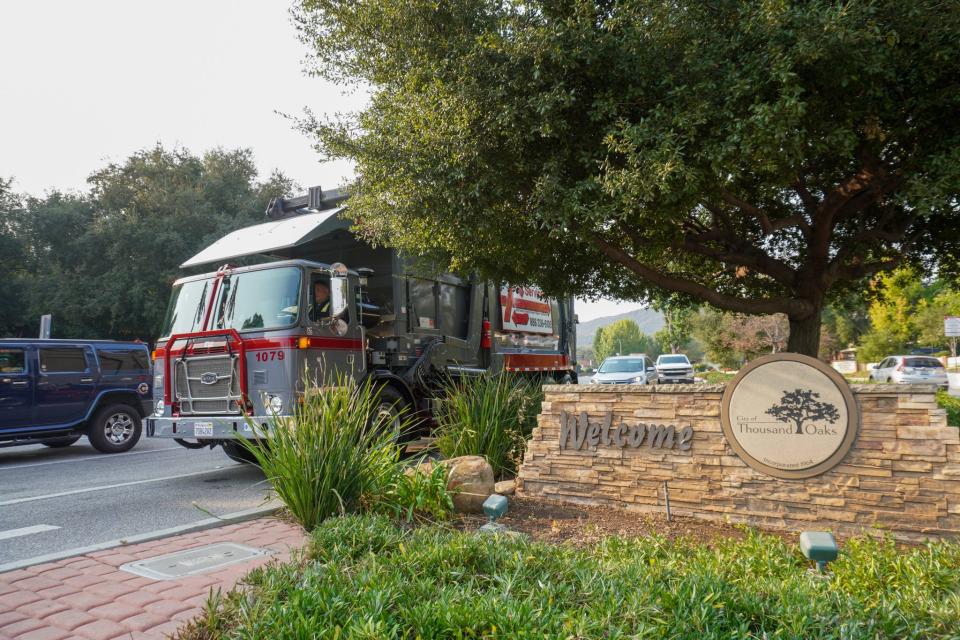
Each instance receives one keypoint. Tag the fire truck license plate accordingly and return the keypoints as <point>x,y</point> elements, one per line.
<point>202,429</point>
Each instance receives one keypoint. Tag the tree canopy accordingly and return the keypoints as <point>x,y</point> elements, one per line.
<point>906,313</point>
<point>623,337</point>
<point>759,156</point>
<point>102,262</point>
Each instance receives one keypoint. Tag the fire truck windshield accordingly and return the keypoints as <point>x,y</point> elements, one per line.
<point>261,299</point>
<point>188,304</point>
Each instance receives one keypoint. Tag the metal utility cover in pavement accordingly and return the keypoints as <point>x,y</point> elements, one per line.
<point>193,561</point>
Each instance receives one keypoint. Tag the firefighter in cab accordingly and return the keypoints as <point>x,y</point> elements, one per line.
<point>320,308</point>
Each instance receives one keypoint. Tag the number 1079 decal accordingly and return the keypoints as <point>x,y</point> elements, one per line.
<point>266,356</point>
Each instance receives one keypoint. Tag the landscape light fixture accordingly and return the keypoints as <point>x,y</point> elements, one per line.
<point>494,506</point>
<point>819,546</point>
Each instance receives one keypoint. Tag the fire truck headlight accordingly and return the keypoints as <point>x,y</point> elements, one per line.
<point>159,408</point>
<point>276,404</point>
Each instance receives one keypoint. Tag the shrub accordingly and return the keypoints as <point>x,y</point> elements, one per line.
<point>337,454</point>
<point>952,405</point>
<point>415,496</point>
<point>490,416</point>
<point>366,578</point>
<point>717,377</point>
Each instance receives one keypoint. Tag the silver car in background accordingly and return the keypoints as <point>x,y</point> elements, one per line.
<point>674,368</point>
<point>910,370</point>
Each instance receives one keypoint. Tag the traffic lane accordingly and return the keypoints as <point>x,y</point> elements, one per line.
<point>38,453</point>
<point>49,517</point>
<point>100,516</point>
<point>30,473</point>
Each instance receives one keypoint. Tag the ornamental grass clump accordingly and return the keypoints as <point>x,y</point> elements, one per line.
<point>364,577</point>
<point>488,415</point>
<point>337,454</point>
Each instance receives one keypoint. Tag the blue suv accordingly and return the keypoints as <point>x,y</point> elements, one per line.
<point>54,391</point>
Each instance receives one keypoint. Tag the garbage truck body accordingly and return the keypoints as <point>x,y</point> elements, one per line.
<point>239,342</point>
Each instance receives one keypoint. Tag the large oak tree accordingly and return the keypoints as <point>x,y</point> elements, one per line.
<point>759,156</point>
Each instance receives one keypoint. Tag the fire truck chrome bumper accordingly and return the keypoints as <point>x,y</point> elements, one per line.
<point>209,427</point>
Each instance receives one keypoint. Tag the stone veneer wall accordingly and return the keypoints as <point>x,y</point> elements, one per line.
<point>902,474</point>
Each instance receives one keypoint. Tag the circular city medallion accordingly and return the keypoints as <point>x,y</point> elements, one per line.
<point>789,416</point>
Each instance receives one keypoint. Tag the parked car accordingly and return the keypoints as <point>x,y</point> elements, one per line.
<point>54,391</point>
<point>674,367</point>
<point>910,370</point>
<point>632,369</point>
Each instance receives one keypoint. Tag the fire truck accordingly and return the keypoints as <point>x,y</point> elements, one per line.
<point>301,297</point>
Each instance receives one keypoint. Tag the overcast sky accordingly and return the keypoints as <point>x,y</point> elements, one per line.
<point>87,83</point>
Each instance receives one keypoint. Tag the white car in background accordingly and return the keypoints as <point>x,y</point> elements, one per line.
<point>635,369</point>
<point>673,368</point>
<point>910,370</point>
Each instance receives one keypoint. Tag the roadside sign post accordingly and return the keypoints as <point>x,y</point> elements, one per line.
<point>951,329</point>
<point>46,320</point>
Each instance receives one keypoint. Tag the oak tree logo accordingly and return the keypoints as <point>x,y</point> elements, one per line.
<point>801,406</point>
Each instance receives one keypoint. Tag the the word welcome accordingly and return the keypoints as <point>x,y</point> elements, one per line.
<point>580,433</point>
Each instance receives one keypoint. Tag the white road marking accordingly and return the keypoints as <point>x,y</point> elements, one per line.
<point>104,457</point>
<point>26,531</point>
<point>7,503</point>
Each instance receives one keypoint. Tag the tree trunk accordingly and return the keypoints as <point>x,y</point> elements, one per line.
<point>805,335</point>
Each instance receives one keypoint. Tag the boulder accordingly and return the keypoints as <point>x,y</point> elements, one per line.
<point>506,487</point>
<point>425,467</point>
<point>471,481</point>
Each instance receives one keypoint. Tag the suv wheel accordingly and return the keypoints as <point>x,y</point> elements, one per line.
<point>60,442</point>
<point>115,428</point>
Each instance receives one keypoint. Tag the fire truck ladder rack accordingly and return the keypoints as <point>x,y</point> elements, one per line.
<point>316,200</point>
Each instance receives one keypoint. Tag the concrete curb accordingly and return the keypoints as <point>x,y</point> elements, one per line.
<point>200,525</point>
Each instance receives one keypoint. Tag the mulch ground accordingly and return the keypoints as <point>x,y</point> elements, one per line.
<point>581,525</point>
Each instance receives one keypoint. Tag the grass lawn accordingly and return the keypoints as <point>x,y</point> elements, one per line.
<point>365,577</point>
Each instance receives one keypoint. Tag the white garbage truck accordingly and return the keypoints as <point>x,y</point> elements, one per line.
<point>302,296</point>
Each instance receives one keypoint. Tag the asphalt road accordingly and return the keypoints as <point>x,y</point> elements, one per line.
<point>53,500</point>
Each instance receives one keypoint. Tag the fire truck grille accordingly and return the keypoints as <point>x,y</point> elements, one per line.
<point>208,385</point>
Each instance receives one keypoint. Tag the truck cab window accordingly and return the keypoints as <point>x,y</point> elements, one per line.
<point>319,297</point>
<point>260,299</point>
<point>12,361</point>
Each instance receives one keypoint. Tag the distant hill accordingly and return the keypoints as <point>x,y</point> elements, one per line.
<point>648,320</point>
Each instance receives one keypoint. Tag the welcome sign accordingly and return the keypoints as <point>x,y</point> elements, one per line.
<point>578,432</point>
<point>789,416</point>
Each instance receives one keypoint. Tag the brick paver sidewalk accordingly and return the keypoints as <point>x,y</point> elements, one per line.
<point>89,597</point>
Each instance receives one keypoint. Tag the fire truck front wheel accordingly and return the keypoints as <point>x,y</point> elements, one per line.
<point>238,453</point>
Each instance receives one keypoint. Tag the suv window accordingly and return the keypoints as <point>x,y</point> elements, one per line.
<point>123,360</point>
<point>12,361</point>
<point>62,360</point>
<point>673,359</point>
